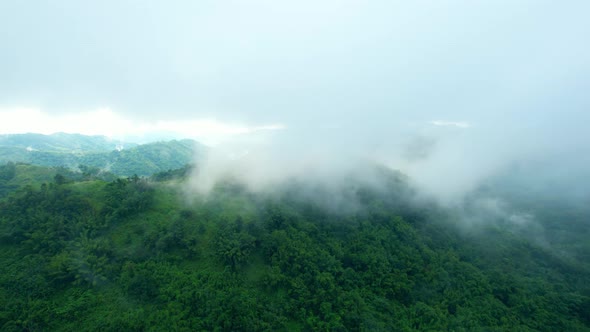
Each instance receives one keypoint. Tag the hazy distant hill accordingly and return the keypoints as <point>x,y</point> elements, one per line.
<point>62,142</point>
<point>72,150</point>
<point>145,159</point>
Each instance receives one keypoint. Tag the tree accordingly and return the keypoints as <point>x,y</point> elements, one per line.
<point>59,179</point>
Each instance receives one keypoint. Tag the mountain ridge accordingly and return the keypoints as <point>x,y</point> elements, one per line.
<point>62,142</point>
<point>120,158</point>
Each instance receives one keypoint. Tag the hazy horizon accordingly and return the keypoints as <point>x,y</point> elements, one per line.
<point>450,93</point>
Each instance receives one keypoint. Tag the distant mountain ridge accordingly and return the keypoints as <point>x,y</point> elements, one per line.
<point>62,142</point>
<point>117,157</point>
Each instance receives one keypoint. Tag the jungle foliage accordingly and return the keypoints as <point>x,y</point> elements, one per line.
<point>133,254</point>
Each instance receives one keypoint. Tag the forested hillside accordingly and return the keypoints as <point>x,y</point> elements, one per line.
<point>62,142</point>
<point>123,159</point>
<point>138,254</point>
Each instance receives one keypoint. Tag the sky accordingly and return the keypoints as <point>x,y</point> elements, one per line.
<point>447,91</point>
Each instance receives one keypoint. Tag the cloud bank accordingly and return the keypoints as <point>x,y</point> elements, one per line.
<point>448,92</point>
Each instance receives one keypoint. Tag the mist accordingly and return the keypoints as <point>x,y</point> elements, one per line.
<point>358,165</point>
<point>445,162</point>
<point>449,93</point>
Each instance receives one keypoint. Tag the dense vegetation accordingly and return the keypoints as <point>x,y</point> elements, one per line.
<point>65,150</point>
<point>135,254</point>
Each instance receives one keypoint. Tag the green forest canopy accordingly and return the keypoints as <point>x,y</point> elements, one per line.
<point>132,254</point>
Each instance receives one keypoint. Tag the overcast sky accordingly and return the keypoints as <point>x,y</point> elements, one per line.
<point>396,79</point>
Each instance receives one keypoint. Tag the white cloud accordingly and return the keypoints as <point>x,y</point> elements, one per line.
<point>459,124</point>
<point>32,120</point>
<point>104,121</point>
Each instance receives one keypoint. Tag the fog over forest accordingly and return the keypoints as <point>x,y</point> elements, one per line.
<point>450,93</point>
<point>337,165</point>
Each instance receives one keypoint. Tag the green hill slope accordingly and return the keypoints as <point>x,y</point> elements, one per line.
<point>134,255</point>
<point>96,151</point>
<point>145,160</point>
<point>17,176</point>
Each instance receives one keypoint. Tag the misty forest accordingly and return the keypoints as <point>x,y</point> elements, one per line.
<point>334,165</point>
<point>84,249</point>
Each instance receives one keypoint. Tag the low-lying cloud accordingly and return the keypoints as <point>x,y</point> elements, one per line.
<point>449,93</point>
<point>444,162</point>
